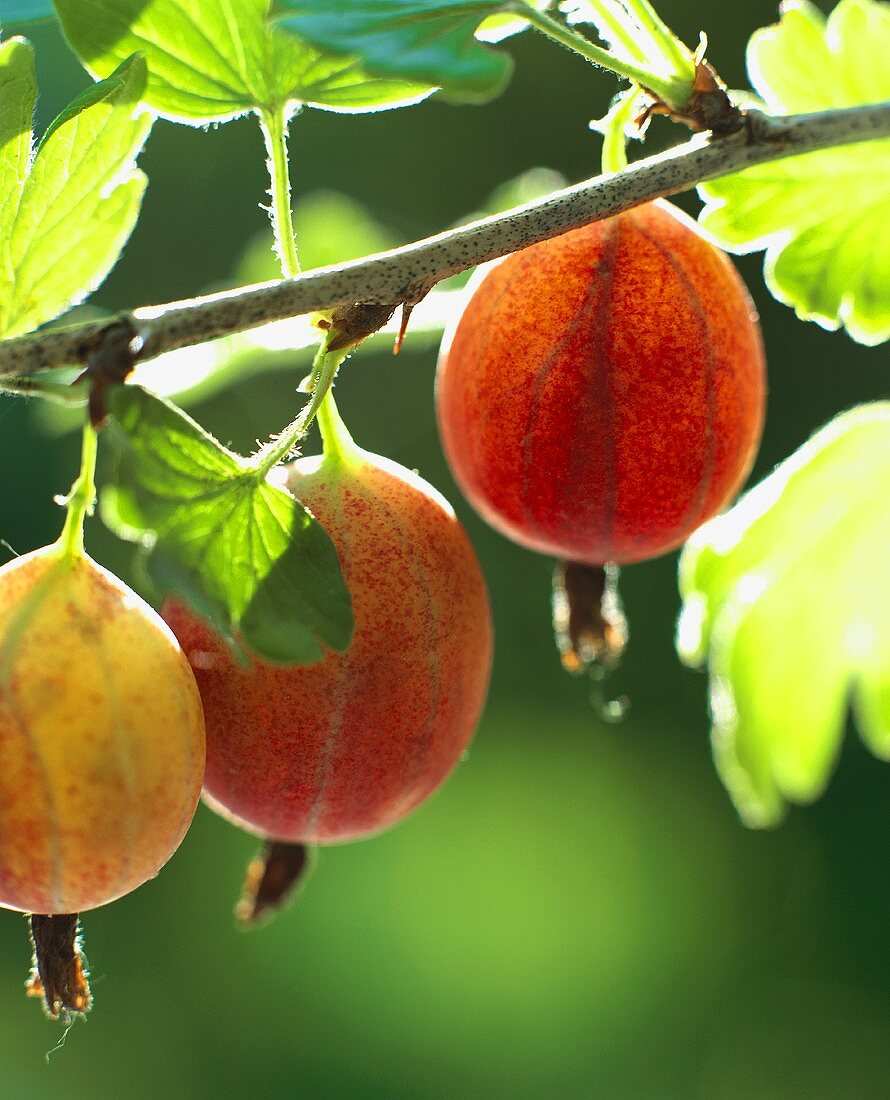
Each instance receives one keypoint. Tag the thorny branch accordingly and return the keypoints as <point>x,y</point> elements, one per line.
<point>405,274</point>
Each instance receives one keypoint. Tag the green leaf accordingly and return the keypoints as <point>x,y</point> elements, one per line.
<point>247,555</point>
<point>26,11</point>
<point>823,218</point>
<point>787,596</point>
<point>63,226</point>
<point>432,41</point>
<point>215,60</point>
<point>18,93</point>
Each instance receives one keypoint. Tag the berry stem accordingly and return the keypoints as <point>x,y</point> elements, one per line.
<point>82,497</point>
<point>321,377</point>
<point>62,393</point>
<point>339,446</point>
<point>325,363</point>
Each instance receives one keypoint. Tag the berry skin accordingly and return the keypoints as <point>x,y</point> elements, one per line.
<point>345,747</point>
<point>603,393</point>
<point>101,736</point>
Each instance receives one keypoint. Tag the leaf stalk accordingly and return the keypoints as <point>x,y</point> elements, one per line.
<point>274,127</point>
<point>674,90</point>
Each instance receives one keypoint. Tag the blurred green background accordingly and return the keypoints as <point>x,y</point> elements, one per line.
<point>578,912</point>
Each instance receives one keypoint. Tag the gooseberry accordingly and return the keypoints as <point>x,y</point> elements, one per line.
<point>346,747</point>
<point>602,394</point>
<point>101,736</point>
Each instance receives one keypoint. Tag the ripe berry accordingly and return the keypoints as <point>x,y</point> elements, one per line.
<point>602,394</point>
<point>101,736</point>
<point>345,747</point>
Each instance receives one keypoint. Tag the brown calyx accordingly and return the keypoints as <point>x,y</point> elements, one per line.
<point>273,877</point>
<point>709,108</point>
<point>58,975</point>
<point>588,621</point>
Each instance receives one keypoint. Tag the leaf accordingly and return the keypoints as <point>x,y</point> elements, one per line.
<point>63,226</point>
<point>26,11</point>
<point>247,555</point>
<point>215,60</point>
<point>823,218</point>
<point>432,41</point>
<point>18,93</point>
<point>787,595</point>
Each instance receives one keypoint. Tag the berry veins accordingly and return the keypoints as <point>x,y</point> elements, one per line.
<point>602,394</point>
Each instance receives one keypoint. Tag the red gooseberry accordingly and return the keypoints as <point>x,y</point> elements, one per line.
<point>347,746</point>
<point>602,394</point>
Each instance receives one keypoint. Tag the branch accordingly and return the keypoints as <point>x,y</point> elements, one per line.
<point>406,273</point>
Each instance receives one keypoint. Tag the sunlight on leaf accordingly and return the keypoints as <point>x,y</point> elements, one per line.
<point>636,34</point>
<point>18,93</point>
<point>498,27</point>
<point>432,41</point>
<point>212,61</point>
<point>787,597</point>
<point>823,218</point>
<point>65,216</point>
<point>245,553</point>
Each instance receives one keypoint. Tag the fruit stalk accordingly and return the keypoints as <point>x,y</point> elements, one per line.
<point>321,378</point>
<point>82,497</point>
<point>326,363</point>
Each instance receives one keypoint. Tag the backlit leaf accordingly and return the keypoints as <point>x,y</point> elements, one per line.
<point>823,218</point>
<point>787,597</point>
<point>217,59</point>
<point>66,215</point>
<point>245,553</point>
